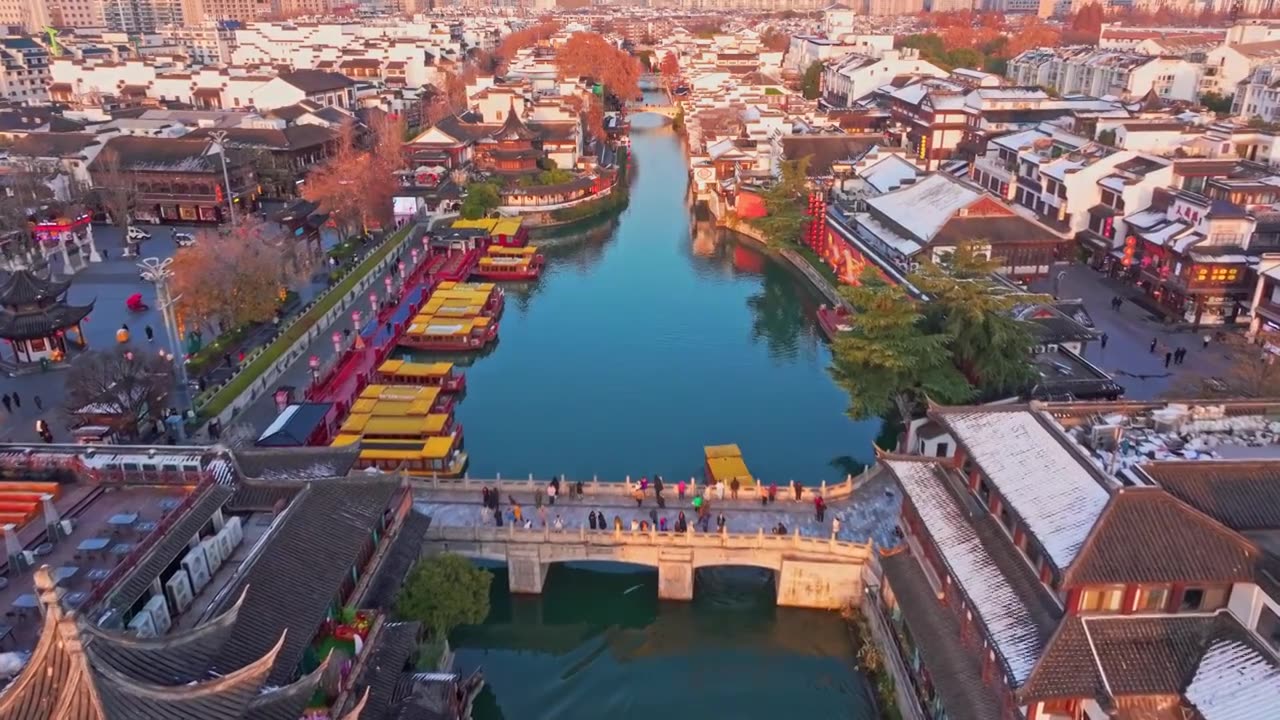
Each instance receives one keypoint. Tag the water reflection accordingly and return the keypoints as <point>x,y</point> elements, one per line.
<point>598,643</point>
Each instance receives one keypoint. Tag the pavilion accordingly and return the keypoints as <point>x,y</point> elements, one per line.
<point>36,319</point>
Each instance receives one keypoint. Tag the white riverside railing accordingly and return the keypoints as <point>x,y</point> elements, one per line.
<point>624,538</point>
<point>595,487</point>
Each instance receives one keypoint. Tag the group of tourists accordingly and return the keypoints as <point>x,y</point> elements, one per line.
<point>597,520</point>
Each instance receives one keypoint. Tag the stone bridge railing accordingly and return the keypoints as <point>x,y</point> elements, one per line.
<point>598,488</point>
<point>811,572</point>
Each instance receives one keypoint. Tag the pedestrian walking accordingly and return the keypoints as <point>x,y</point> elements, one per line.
<point>537,498</point>
<point>682,524</point>
<point>105,254</point>
<point>835,525</point>
<point>773,491</point>
<point>151,334</point>
<point>798,488</point>
<point>591,519</point>
<point>720,522</point>
<point>38,402</point>
<point>680,490</point>
<point>653,515</point>
<point>8,403</point>
<point>819,508</point>
<point>17,401</point>
<point>657,486</point>
<point>1154,342</point>
<point>1179,355</point>
<point>638,496</point>
<point>518,512</point>
<point>559,523</point>
<point>720,491</point>
<point>1207,338</point>
<point>1168,356</point>
<point>1104,338</point>
<point>578,488</point>
<point>484,496</point>
<point>551,494</point>
<point>734,485</point>
<point>497,517</point>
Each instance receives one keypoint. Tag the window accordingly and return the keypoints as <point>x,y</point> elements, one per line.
<point>1205,599</point>
<point>942,449</point>
<point>1102,600</point>
<point>1152,599</point>
<point>1269,627</point>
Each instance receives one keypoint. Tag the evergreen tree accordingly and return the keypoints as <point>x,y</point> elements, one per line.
<point>889,361</point>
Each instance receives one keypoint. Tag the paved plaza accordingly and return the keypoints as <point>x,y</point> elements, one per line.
<point>869,513</point>
<point>107,284</point>
<point>1130,331</point>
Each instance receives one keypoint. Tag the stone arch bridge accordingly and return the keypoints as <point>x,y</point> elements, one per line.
<point>667,111</point>
<point>810,572</point>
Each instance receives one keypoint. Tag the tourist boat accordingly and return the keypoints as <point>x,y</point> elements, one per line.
<point>487,295</point>
<point>404,400</point>
<point>440,334</point>
<point>504,232</point>
<point>403,372</point>
<point>725,464</point>
<point>509,263</point>
<point>435,456</point>
<point>371,426</point>
<point>833,321</point>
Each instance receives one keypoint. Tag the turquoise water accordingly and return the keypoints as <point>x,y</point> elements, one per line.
<point>640,345</point>
<point>599,645</point>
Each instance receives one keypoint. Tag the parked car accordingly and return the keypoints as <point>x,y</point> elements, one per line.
<point>184,239</point>
<point>137,234</point>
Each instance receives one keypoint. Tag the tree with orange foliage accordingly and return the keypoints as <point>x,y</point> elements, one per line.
<point>587,54</point>
<point>1033,34</point>
<point>331,186</point>
<point>670,66</point>
<point>234,276</point>
<point>525,37</point>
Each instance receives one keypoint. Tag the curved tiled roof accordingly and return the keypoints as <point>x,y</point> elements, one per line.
<point>222,697</point>
<point>38,690</point>
<point>287,702</point>
<point>174,659</point>
<point>24,287</point>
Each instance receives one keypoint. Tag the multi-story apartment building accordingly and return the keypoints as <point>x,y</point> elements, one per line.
<point>30,15</point>
<point>890,8</point>
<point>141,16</point>
<point>205,43</point>
<point>1052,570</point>
<point>78,14</point>
<point>241,10</point>
<point>26,71</point>
<point>1085,70</point>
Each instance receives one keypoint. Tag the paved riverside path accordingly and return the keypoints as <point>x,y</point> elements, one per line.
<point>871,511</point>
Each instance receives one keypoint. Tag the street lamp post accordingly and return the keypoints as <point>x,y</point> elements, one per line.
<point>373,302</point>
<point>220,137</point>
<point>160,272</point>
<point>337,342</point>
<point>314,364</point>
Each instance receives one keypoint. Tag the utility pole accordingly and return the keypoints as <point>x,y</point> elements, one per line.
<point>220,137</point>
<point>160,272</point>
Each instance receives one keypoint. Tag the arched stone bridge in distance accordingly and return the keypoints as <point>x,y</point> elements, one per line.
<point>667,111</point>
<point>810,572</point>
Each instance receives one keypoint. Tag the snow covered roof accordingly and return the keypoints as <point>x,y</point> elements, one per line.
<point>923,208</point>
<point>889,172</point>
<point>1012,629</point>
<point>1162,235</point>
<point>1051,489</point>
<point>1145,218</point>
<point>1234,682</point>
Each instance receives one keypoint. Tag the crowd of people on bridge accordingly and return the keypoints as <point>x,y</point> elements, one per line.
<point>657,519</point>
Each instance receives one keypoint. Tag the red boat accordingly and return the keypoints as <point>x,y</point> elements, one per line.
<point>833,321</point>
<point>448,334</point>
<point>509,263</point>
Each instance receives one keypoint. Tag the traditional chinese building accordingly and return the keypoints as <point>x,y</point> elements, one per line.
<point>178,179</point>
<point>36,320</point>
<point>1050,570</point>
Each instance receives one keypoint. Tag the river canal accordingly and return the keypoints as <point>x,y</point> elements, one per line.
<point>638,347</point>
<point>644,341</point>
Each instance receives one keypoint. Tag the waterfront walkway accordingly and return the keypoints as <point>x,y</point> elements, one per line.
<point>868,511</point>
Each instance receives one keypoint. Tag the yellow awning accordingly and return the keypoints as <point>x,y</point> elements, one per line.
<point>412,369</point>
<point>478,224</point>
<point>725,469</point>
<point>506,226</point>
<point>437,448</point>
<point>719,451</point>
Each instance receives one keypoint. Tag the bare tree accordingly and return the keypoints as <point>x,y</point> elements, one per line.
<point>24,188</point>
<point>118,388</point>
<point>117,193</point>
